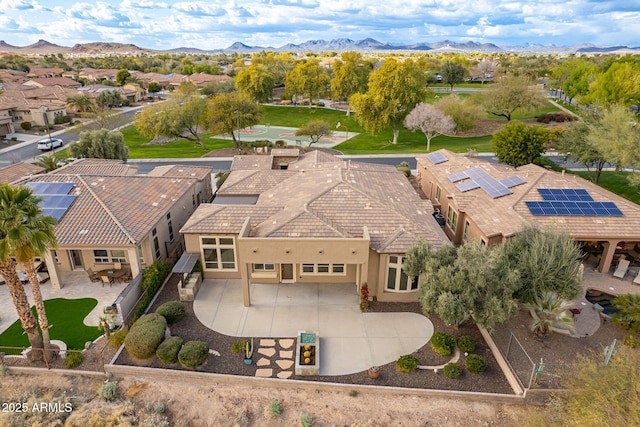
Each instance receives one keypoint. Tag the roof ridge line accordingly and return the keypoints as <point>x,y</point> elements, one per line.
<point>107,210</point>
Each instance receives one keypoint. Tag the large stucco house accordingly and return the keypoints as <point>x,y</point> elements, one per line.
<point>312,218</point>
<point>491,202</point>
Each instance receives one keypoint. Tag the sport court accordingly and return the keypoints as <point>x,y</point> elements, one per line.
<point>281,133</point>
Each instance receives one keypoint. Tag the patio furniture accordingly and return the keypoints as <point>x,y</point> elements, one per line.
<point>575,311</point>
<point>117,266</point>
<point>622,268</point>
<point>637,279</point>
<point>106,280</point>
<point>93,276</point>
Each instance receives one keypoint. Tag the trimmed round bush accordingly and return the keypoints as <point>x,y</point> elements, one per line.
<point>117,338</point>
<point>443,343</point>
<point>145,335</point>
<point>173,311</point>
<point>407,363</point>
<point>466,344</point>
<point>475,364</point>
<point>453,371</point>
<point>25,125</point>
<point>168,351</point>
<point>193,354</point>
<point>73,359</point>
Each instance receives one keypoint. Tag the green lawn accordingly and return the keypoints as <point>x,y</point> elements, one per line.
<point>66,317</point>
<point>180,148</point>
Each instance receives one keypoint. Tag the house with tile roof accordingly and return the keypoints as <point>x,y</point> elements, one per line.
<point>113,216</point>
<point>312,218</point>
<point>19,172</point>
<point>490,202</point>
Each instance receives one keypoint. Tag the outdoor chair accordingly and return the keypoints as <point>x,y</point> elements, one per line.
<point>622,268</point>
<point>106,280</point>
<point>637,279</point>
<point>93,276</point>
<point>117,265</point>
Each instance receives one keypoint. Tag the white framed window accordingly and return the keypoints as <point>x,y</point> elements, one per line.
<point>264,267</point>
<point>170,226</point>
<point>219,253</point>
<point>140,254</point>
<point>465,235</point>
<point>100,256</point>
<point>438,193</point>
<point>118,255</point>
<point>452,219</point>
<point>397,280</point>
<point>324,269</point>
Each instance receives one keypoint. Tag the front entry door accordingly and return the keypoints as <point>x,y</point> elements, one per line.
<point>286,272</point>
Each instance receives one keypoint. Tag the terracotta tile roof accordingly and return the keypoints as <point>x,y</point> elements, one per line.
<point>97,167</point>
<point>251,163</point>
<point>506,215</point>
<point>19,171</point>
<point>181,171</point>
<point>323,197</point>
<point>53,81</point>
<point>115,210</point>
<point>225,218</point>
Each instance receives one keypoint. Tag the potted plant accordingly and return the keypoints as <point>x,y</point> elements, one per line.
<point>248,352</point>
<point>373,372</point>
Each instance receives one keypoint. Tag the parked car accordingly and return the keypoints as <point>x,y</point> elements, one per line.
<point>49,144</point>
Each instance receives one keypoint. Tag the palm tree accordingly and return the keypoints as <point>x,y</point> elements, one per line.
<point>49,162</point>
<point>80,102</point>
<point>551,311</point>
<point>11,199</point>
<point>628,316</point>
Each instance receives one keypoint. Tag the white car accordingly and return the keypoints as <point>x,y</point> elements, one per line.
<point>49,144</point>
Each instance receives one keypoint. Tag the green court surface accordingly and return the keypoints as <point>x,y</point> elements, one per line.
<point>288,134</point>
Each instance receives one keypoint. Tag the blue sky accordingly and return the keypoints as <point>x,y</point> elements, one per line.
<point>216,24</point>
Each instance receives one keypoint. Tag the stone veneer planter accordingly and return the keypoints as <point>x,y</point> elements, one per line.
<point>311,339</point>
<point>188,291</point>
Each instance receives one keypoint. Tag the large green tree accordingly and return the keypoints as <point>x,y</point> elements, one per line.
<point>513,93</point>
<point>256,82</point>
<point>544,261</point>
<point>109,99</point>
<point>100,144</point>
<point>574,142</point>
<point>518,144</point>
<point>307,78</point>
<point>183,117</point>
<point>315,130</point>
<point>618,84</point>
<point>394,90</point>
<point>464,112</point>
<point>452,73</point>
<point>349,77</point>
<point>459,283</point>
<point>230,112</point>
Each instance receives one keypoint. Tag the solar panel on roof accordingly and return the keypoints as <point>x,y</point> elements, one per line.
<point>459,176</point>
<point>512,181</point>
<point>573,208</point>
<point>437,158</point>
<point>42,188</point>
<point>467,186</point>
<point>54,197</point>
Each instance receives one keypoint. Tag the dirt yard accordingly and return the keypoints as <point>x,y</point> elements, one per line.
<point>158,404</point>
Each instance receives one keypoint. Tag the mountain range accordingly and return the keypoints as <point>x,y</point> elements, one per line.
<point>335,45</point>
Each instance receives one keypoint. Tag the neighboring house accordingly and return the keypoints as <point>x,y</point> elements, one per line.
<point>489,202</point>
<point>53,81</point>
<point>201,79</point>
<point>312,219</point>
<point>19,172</point>
<point>7,112</point>
<point>23,103</point>
<point>95,90</point>
<point>113,216</point>
<point>43,72</point>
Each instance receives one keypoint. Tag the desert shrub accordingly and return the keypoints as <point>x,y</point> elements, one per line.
<point>4,369</point>
<point>25,125</point>
<point>152,279</point>
<point>407,363</point>
<point>62,119</point>
<point>117,338</point>
<point>173,311</point>
<point>475,364</point>
<point>145,336</point>
<point>108,390</point>
<point>630,341</point>
<point>239,346</point>
<point>443,343</point>
<point>193,354</point>
<point>466,344</point>
<point>73,360</point>
<point>275,408</point>
<point>453,371</point>
<point>306,420</point>
<point>168,350</point>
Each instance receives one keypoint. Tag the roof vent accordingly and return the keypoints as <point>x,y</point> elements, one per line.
<point>154,204</point>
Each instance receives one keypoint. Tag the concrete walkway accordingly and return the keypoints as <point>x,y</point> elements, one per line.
<point>350,341</point>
